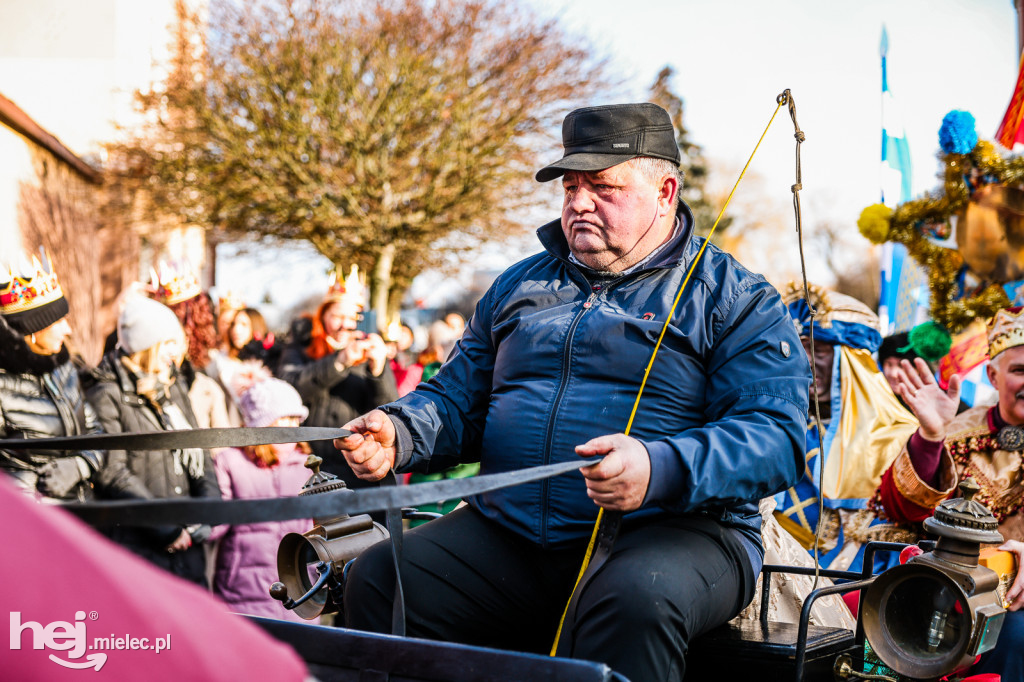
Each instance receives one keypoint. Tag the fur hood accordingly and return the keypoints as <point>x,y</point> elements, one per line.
<point>17,358</point>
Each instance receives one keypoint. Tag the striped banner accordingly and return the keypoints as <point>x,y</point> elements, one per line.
<point>903,301</point>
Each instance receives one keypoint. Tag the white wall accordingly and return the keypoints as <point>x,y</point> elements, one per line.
<point>72,65</point>
<point>15,166</point>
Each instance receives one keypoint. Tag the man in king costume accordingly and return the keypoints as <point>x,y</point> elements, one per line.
<point>985,443</point>
<point>864,428</point>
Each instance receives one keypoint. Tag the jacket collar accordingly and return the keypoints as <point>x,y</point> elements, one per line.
<point>673,255</point>
<point>17,358</point>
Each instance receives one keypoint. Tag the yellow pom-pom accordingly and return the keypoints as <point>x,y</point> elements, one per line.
<point>874,223</point>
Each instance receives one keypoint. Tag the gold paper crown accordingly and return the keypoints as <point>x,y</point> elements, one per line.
<point>171,286</point>
<point>32,286</point>
<point>230,301</point>
<point>351,289</point>
<point>1006,330</point>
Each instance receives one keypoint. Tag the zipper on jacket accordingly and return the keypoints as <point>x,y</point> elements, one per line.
<point>566,353</point>
<point>65,413</point>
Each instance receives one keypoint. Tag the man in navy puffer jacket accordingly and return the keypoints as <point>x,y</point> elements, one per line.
<point>547,371</point>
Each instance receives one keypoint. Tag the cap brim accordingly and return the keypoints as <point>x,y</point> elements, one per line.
<point>581,162</point>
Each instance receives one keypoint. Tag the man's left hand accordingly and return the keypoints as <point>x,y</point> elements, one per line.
<point>619,481</point>
<point>1015,594</point>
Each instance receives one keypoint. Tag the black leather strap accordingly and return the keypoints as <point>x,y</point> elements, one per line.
<point>389,498</point>
<point>394,518</point>
<point>188,511</point>
<point>173,440</point>
<point>607,532</point>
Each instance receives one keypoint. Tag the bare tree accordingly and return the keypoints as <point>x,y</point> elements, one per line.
<point>692,163</point>
<point>371,129</point>
<point>855,272</point>
<point>58,211</point>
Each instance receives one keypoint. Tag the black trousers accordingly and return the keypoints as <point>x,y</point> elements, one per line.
<point>468,580</point>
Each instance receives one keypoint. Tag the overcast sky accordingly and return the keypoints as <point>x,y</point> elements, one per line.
<point>732,57</point>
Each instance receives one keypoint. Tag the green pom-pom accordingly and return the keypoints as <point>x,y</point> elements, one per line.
<point>874,223</point>
<point>930,340</point>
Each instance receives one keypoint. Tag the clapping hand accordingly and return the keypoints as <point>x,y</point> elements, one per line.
<point>934,408</point>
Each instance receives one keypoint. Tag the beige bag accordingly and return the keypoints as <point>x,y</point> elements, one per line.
<point>786,597</point>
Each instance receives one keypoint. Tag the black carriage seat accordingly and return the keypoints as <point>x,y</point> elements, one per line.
<point>750,649</point>
<point>340,655</point>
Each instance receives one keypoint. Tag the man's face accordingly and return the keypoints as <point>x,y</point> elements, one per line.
<point>613,218</point>
<point>822,359</point>
<point>890,367</point>
<point>1007,375</point>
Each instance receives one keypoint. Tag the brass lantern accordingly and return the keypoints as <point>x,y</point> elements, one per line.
<point>312,564</point>
<point>938,611</point>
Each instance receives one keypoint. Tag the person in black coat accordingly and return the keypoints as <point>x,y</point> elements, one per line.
<point>137,388</point>
<point>40,393</point>
<point>339,370</point>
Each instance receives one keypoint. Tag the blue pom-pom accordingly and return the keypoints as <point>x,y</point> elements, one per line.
<point>957,135</point>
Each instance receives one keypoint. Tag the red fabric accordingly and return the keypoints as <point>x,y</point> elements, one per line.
<point>852,600</point>
<point>984,677</point>
<point>57,570</point>
<point>909,552</point>
<point>897,507</point>
<point>926,456</point>
<point>406,377</point>
<point>1010,130</point>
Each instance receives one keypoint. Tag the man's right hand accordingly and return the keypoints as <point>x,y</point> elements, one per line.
<point>370,450</point>
<point>933,407</point>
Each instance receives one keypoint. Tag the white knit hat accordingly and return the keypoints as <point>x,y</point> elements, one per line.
<point>268,400</point>
<point>143,323</point>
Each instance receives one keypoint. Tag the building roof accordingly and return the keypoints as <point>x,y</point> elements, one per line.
<point>14,118</point>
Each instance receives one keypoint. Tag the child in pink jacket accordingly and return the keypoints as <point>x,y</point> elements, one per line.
<point>247,559</point>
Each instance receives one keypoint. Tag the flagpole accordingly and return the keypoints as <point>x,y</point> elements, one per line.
<point>883,51</point>
<point>885,261</point>
<point>1019,6</point>
<point>900,276</point>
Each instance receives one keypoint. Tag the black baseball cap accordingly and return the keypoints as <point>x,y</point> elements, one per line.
<point>596,138</point>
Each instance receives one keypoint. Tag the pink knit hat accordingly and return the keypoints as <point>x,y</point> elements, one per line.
<point>268,400</point>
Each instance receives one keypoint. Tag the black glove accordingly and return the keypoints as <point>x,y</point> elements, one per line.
<point>58,476</point>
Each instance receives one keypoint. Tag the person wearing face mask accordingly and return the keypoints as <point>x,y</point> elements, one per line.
<point>40,392</point>
<point>179,290</point>
<point>136,388</point>
<point>341,372</point>
<point>864,427</point>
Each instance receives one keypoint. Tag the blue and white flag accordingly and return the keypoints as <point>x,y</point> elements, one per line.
<point>903,302</point>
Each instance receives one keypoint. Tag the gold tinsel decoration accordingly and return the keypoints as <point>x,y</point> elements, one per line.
<point>944,264</point>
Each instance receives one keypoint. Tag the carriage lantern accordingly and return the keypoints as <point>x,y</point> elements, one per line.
<point>312,564</point>
<point>938,611</point>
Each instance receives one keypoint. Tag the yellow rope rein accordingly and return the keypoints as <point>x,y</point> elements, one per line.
<point>781,100</point>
